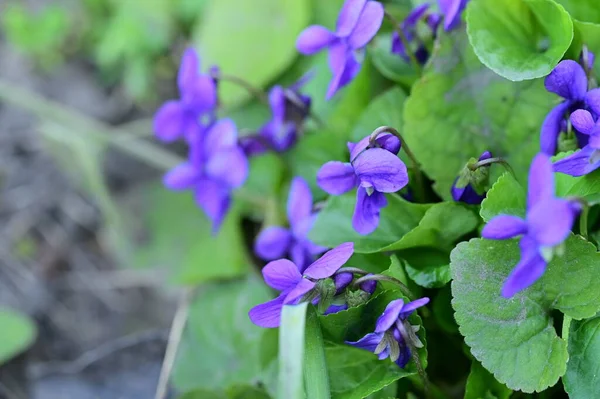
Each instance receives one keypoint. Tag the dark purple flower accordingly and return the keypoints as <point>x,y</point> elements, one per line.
<point>467,193</point>
<point>548,223</point>
<point>587,159</point>
<point>569,81</point>
<point>409,28</point>
<point>198,98</point>
<point>374,169</point>
<point>275,241</point>
<point>283,275</point>
<point>452,9</point>
<point>216,166</point>
<point>392,333</point>
<point>357,24</point>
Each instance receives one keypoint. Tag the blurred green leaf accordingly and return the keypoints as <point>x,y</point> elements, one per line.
<point>482,385</point>
<point>316,379</point>
<point>291,351</point>
<point>581,379</point>
<point>582,10</point>
<point>17,333</point>
<point>391,65</point>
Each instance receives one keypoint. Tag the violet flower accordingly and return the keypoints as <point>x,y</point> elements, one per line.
<point>283,275</point>
<point>587,159</point>
<point>392,332</point>
<point>569,81</point>
<point>216,166</point>
<point>547,224</point>
<point>452,10</point>
<point>409,28</point>
<point>198,98</point>
<point>275,241</point>
<point>467,191</point>
<point>357,24</point>
<point>374,169</point>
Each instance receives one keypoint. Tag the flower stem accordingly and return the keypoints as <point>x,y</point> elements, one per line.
<point>489,161</point>
<point>354,270</point>
<point>566,326</point>
<point>583,219</point>
<point>380,277</point>
<point>257,93</point>
<point>405,43</point>
<point>415,164</point>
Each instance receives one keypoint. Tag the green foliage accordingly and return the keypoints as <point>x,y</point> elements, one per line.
<point>582,10</point>
<point>506,196</point>
<point>290,383</point>
<point>316,378</point>
<point>429,276</point>
<point>519,39</point>
<point>514,338</point>
<point>18,333</point>
<point>581,379</point>
<point>391,65</point>
<point>459,109</point>
<point>482,385</point>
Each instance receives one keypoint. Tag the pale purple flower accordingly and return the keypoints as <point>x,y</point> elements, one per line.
<point>452,10</point>
<point>275,241</point>
<point>216,166</point>
<point>357,24</point>
<point>587,159</point>
<point>548,223</point>
<point>569,81</point>
<point>468,194</point>
<point>374,169</point>
<point>392,333</point>
<point>283,275</point>
<point>409,28</point>
<point>182,118</point>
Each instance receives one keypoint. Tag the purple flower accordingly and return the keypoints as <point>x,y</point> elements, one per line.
<point>215,167</point>
<point>274,242</point>
<point>452,9</point>
<point>198,98</point>
<point>587,159</point>
<point>467,193</point>
<point>569,81</point>
<point>409,28</point>
<point>392,332</point>
<point>283,275</point>
<point>547,224</point>
<point>357,24</point>
<point>374,169</point>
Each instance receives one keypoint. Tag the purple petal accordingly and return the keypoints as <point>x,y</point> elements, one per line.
<point>485,155</point>
<point>551,128</point>
<point>230,167</point>
<point>345,75</point>
<point>415,15</point>
<point>529,269</point>
<point>541,180</point>
<point>389,142</point>
<point>169,121</point>
<point>342,280</point>
<point>451,10</point>
<point>577,164</point>
<point>583,121</point>
<point>335,308</point>
<point>592,99</point>
<point>277,102</point>
<point>550,221</point>
<point>299,205</point>
<point>272,243</point>
<point>336,178</point>
<point>368,24</point>
<point>349,16</point>
<point>313,39</point>
<point>182,177</point>
<point>369,342</point>
<point>268,314</point>
<point>214,200</point>
<point>366,212</point>
<point>189,69</point>
<point>568,80</point>
<point>412,306</point>
<point>221,135</point>
<point>381,169</point>
<point>358,148</point>
<point>303,287</point>
<point>330,262</point>
<point>300,256</point>
<point>503,227</point>
<point>595,141</point>
<point>389,316</point>
<point>369,286</point>
<point>466,194</point>
<point>281,275</point>
<point>201,94</point>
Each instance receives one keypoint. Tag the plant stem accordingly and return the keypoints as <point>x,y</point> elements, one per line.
<point>583,219</point>
<point>415,164</point>
<point>354,270</point>
<point>405,43</point>
<point>566,326</point>
<point>489,161</point>
<point>257,93</point>
<point>379,277</point>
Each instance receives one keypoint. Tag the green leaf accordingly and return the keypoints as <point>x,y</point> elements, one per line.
<point>582,10</point>
<point>251,39</point>
<point>382,111</point>
<point>291,352</point>
<point>482,385</point>
<point>582,380</point>
<point>220,346</point>
<point>235,392</point>
<point>459,109</point>
<point>582,187</point>
<point>519,39</point>
<point>430,276</point>
<point>18,332</point>
<point>588,34</point>
<point>390,65</point>
<point>506,196</point>
<point>515,338</point>
<point>316,379</point>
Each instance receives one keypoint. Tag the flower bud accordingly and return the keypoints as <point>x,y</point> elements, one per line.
<point>470,186</point>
